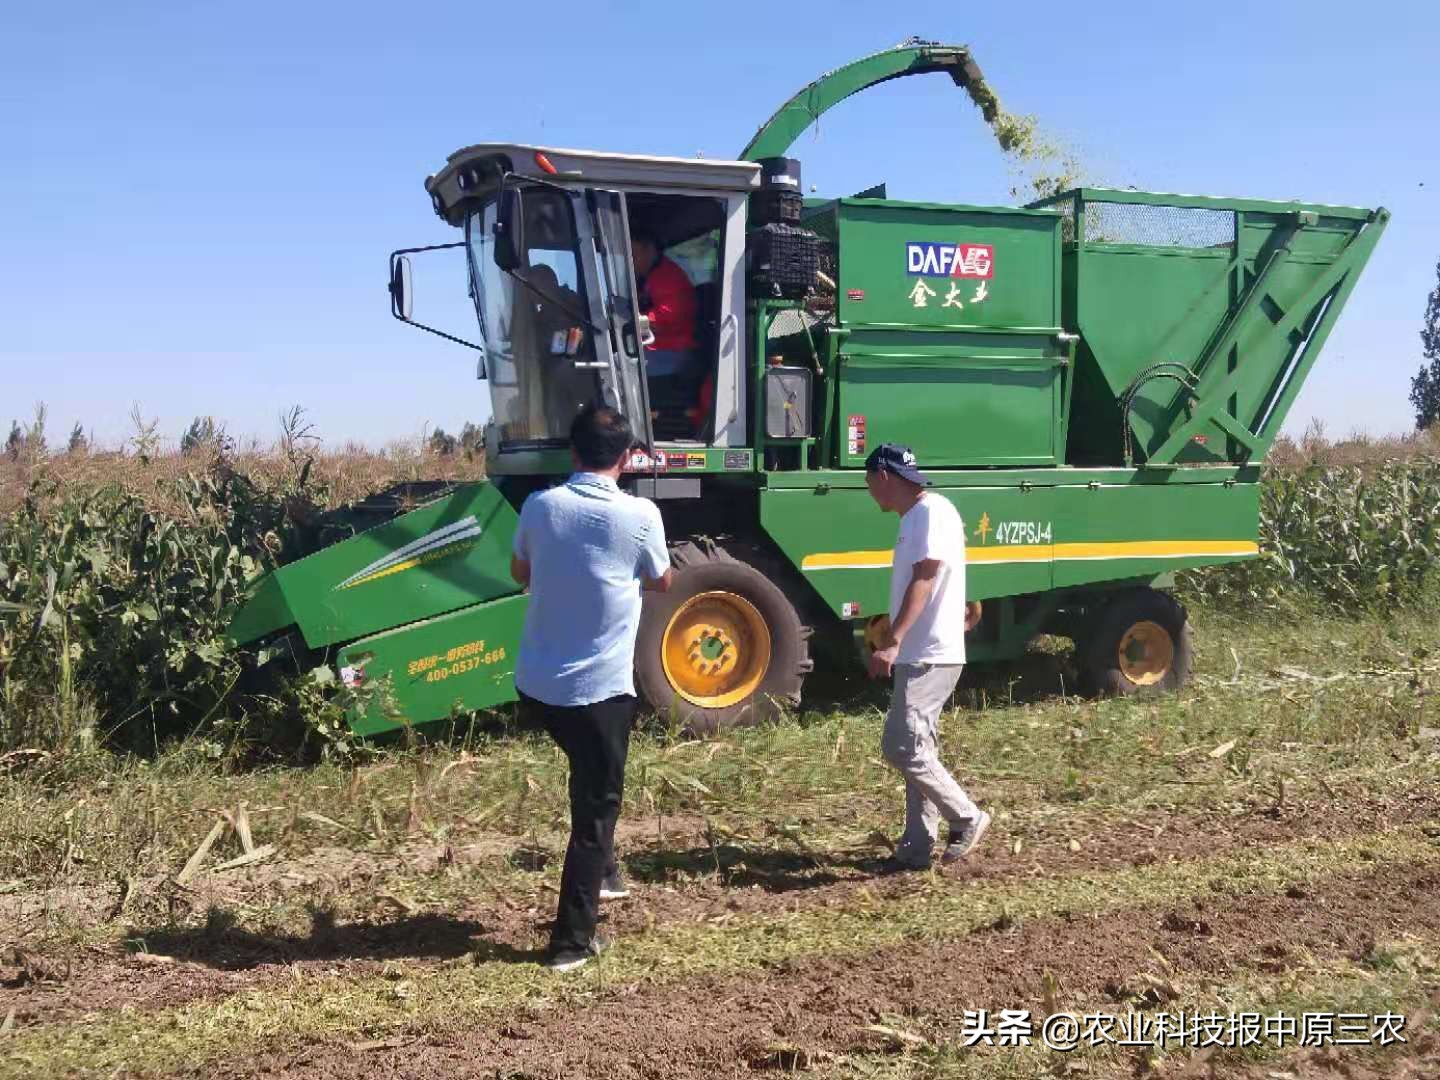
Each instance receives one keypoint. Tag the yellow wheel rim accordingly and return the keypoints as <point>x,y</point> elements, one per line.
<point>716,649</point>
<point>1147,653</point>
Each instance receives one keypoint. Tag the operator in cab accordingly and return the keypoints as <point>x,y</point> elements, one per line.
<point>542,320</point>
<point>667,299</point>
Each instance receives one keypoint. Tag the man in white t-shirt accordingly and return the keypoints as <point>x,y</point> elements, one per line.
<point>924,648</point>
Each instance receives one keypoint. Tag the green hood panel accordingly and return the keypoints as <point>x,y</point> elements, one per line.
<point>263,613</point>
<point>456,663</point>
<point>445,555</point>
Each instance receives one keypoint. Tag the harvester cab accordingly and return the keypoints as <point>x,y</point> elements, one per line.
<point>1092,379</point>
<point>547,238</point>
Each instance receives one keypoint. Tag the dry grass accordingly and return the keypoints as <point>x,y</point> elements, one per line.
<point>1315,703</point>
<point>1311,708</point>
<point>330,1007</point>
<point>351,471</point>
<point>1358,450</point>
<point>344,474</point>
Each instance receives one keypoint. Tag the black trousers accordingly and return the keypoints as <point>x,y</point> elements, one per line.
<point>596,740</point>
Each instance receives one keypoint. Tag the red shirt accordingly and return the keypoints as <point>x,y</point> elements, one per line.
<point>667,299</point>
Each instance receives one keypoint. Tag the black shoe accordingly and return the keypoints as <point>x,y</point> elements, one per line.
<point>571,959</point>
<point>613,887</point>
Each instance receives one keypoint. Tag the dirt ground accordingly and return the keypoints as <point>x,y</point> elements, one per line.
<point>205,962</point>
<point>803,1014</point>
<point>811,1015</point>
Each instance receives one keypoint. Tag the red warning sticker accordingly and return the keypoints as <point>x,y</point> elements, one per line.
<point>855,434</point>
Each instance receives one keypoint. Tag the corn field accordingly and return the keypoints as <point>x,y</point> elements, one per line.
<point>116,582</point>
<point>1351,537</point>
<point>118,572</point>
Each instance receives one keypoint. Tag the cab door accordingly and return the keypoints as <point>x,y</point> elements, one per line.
<point>615,273</point>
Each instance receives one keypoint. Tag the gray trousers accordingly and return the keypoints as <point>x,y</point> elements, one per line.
<point>911,744</point>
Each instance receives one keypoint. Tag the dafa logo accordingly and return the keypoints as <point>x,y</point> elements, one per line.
<point>451,540</point>
<point>926,258</point>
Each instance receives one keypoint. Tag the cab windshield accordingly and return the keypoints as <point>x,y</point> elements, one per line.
<point>539,346</point>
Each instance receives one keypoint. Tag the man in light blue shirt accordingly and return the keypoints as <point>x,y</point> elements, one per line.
<point>585,549</point>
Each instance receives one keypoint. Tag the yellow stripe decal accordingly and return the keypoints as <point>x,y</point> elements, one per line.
<point>1020,553</point>
<point>410,564</point>
<point>1157,549</point>
<point>847,560</point>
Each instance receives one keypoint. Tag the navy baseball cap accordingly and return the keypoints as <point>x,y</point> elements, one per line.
<point>897,459</point>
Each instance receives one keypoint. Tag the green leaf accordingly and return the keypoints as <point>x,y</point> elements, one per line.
<point>210,651</point>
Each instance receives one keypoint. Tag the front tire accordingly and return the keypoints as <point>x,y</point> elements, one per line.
<point>724,647</point>
<point>1139,642</point>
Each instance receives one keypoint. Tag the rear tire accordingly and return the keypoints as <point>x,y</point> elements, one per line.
<point>724,647</point>
<point>1140,642</point>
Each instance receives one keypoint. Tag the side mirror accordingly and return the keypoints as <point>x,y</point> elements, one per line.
<point>509,229</point>
<point>401,294</point>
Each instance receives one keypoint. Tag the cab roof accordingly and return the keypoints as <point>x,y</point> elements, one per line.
<point>590,167</point>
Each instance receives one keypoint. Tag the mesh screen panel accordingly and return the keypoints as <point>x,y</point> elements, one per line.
<point>1157,226</point>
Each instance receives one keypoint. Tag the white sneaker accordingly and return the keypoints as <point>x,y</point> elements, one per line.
<point>963,839</point>
<point>613,887</point>
<point>571,959</point>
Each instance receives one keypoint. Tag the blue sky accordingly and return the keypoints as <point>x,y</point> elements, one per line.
<point>198,199</point>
